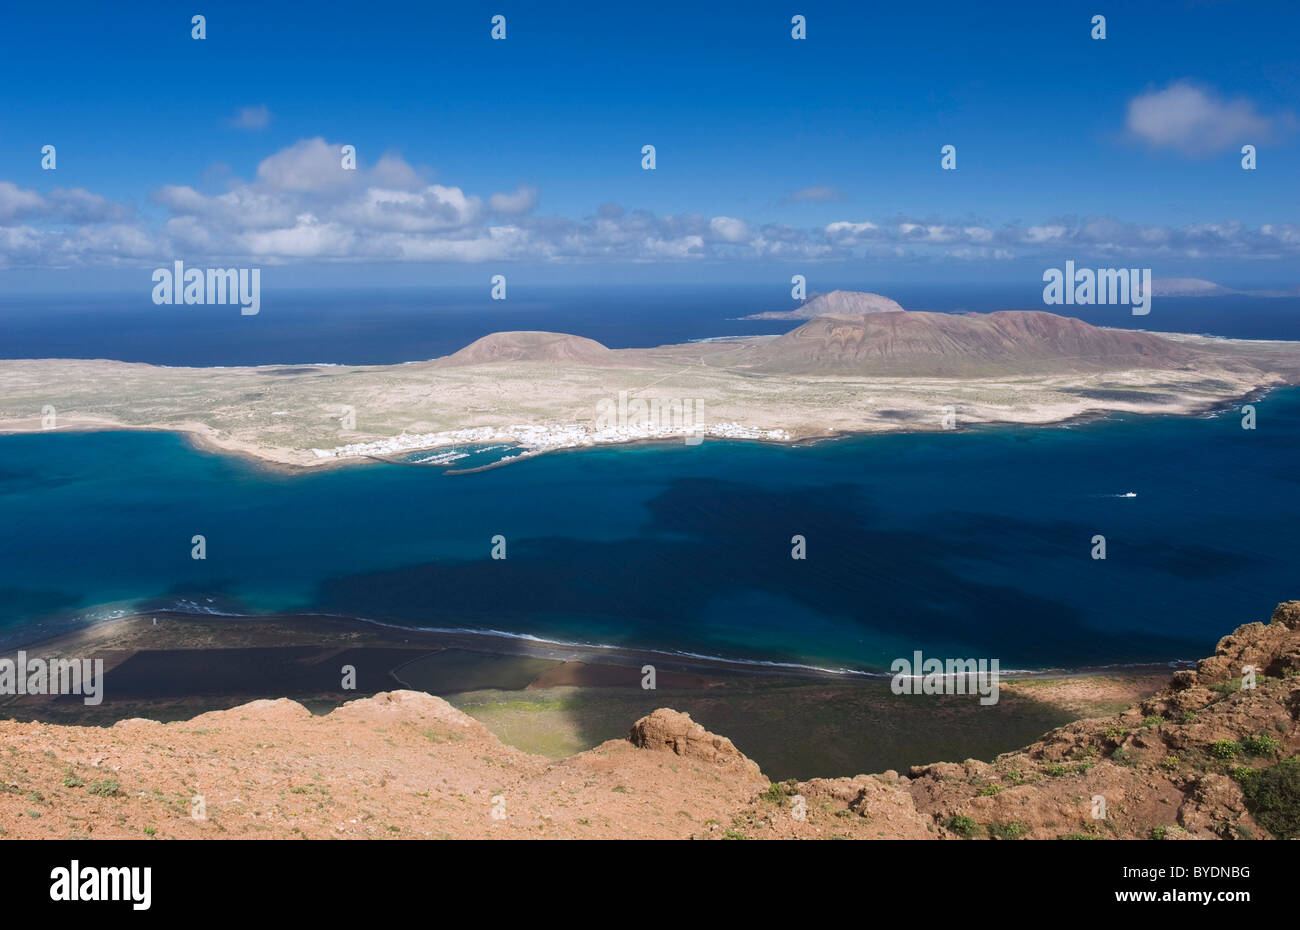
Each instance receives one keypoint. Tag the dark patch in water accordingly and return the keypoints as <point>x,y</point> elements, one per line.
<point>709,537</point>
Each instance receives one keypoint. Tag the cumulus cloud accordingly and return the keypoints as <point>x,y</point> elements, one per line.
<point>392,171</point>
<point>16,202</point>
<point>258,117</point>
<point>844,232</point>
<point>1195,120</point>
<point>308,165</point>
<point>729,229</point>
<point>78,205</point>
<point>429,210</point>
<point>523,200</point>
<point>67,205</point>
<point>303,207</point>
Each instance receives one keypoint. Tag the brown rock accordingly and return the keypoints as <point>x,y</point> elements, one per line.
<point>1288,614</point>
<point>667,729</point>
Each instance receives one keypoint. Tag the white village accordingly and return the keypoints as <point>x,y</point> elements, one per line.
<point>533,440</point>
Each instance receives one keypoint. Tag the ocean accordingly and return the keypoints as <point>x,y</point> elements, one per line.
<point>402,325</point>
<point>974,544</point>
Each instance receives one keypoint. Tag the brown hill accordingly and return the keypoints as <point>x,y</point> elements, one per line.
<point>1203,758</point>
<point>915,343</point>
<point>530,346</point>
<point>844,304</point>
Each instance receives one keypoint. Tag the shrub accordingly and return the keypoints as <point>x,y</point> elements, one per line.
<point>1014,830</point>
<point>1262,745</point>
<point>1225,749</point>
<point>105,788</point>
<point>775,793</point>
<point>962,825</point>
<point>1272,796</point>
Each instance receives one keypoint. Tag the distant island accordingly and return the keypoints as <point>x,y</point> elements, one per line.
<point>1198,287</point>
<point>860,364</point>
<point>835,303</point>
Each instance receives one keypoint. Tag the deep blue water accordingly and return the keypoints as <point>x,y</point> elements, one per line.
<point>973,544</point>
<point>396,325</point>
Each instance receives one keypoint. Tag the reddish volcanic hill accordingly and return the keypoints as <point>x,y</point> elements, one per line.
<point>531,346</point>
<point>914,343</point>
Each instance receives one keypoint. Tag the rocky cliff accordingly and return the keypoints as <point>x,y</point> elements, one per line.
<point>1212,755</point>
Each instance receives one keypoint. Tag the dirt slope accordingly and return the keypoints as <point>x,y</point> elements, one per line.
<point>406,764</point>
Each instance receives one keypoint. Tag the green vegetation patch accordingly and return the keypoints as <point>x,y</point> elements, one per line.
<point>1273,797</point>
<point>105,788</point>
<point>963,826</point>
<point>1014,830</point>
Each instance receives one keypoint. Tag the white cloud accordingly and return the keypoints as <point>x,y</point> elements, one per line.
<point>434,208</point>
<point>523,200</point>
<point>303,207</point>
<point>393,172</point>
<point>1044,233</point>
<point>846,233</point>
<point>308,165</point>
<point>1195,120</point>
<point>729,229</point>
<point>78,205</point>
<point>16,202</point>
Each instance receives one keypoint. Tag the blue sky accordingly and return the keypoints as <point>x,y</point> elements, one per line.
<point>772,153</point>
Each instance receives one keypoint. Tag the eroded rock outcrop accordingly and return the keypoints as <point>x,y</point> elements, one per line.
<point>667,729</point>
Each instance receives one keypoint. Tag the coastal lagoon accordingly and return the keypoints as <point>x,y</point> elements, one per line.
<point>973,543</point>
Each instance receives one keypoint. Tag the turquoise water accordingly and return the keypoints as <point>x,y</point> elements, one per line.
<point>971,544</point>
